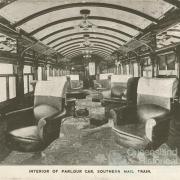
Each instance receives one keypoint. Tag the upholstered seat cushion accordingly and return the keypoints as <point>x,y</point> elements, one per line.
<point>144,113</point>
<point>148,111</point>
<point>137,129</point>
<point>25,139</point>
<point>44,110</point>
<point>118,91</point>
<point>30,132</point>
<point>76,84</point>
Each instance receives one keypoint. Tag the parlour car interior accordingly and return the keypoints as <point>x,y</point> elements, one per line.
<point>89,82</point>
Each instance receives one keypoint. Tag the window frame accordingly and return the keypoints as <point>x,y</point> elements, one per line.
<point>7,76</point>
<point>28,80</point>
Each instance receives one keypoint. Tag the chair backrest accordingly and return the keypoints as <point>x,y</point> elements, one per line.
<point>119,84</point>
<point>74,82</point>
<point>104,76</point>
<point>131,95</point>
<point>158,91</point>
<point>56,78</point>
<point>51,93</point>
<point>74,77</point>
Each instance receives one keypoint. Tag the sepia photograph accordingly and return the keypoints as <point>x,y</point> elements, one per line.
<point>89,88</point>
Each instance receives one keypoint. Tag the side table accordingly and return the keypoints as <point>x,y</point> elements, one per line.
<point>71,106</point>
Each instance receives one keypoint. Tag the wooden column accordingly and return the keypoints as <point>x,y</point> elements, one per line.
<point>177,51</point>
<point>44,77</point>
<point>153,46</point>
<point>20,67</point>
<point>35,66</point>
<point>68,83</point>
<point>118,62</point>
<point>153,62</point>
<point>141,65</point>
<point>109,82</point>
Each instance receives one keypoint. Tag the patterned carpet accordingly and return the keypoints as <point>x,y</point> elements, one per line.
<point>96,149</point>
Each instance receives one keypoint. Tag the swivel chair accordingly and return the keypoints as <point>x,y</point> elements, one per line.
<point>123,92</point>
<point>34,128</point>
<point>103,84</point>
<point>75,88</point>
<point>146,125</point>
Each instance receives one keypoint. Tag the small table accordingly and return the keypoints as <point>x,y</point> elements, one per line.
<point>71,106</point>
<point>111,103</point>
<point>98,97</point>
<point>77,94</point>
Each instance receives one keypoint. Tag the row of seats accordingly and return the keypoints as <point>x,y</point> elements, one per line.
<point>140,108</point>
<point>34,128</point>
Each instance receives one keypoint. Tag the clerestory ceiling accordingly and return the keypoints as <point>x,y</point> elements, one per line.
<point>56,23</point>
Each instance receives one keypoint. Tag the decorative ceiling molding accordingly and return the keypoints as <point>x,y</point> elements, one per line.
<point>91,38</point>
<point>98,27</point>
<point>82,48</point>
<point>79,18</point>
<point>94,45</point>
<point>79,42</point>
<point>90,4</point>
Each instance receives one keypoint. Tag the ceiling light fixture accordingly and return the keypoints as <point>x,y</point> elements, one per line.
<point>85,25</point>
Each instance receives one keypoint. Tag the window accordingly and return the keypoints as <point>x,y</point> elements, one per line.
<point>162,62</point>
<point>12,87</point>
<point>28,77</point>
<point>135,68</point>
<point>147,67</point>
<point>124,69</point>
<point>27,69</point>
<point>48,73</point>
<point>30,80</point>
<point>167,64</point>
<point>39,73</point>
<point>25,84</point>
<point>170,61</point>
<point>3,96</point>
<point>91,68</point>
<point>127,68</point>
<point>6,68</point>
<point>8,82</point>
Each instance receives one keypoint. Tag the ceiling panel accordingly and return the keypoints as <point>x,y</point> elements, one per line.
<point>115,23</point>
<point>20,9</point>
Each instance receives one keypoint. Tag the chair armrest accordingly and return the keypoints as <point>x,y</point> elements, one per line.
<point>124,115</point>
<point>77,88</point>
<point>49,127</point>
<point>157,129</point>
<point>106,93</point>
<point>97,85</point>
<point>20,118</point>
<point>56,117</point>
<point>114,102</point>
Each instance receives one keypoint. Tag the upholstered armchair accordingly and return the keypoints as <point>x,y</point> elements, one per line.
<point>75,83</point>
<point>123,92</point>
<point>174,130</point>
<point>146,125</point>
<point>75,87</point>
<point>119,86</point>
<point>34,128</point>
<point>102,82</point>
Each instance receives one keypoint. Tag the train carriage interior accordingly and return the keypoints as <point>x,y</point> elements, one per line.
<point>89,82</point>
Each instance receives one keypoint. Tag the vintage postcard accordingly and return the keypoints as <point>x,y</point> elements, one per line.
<point>89,89</point>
